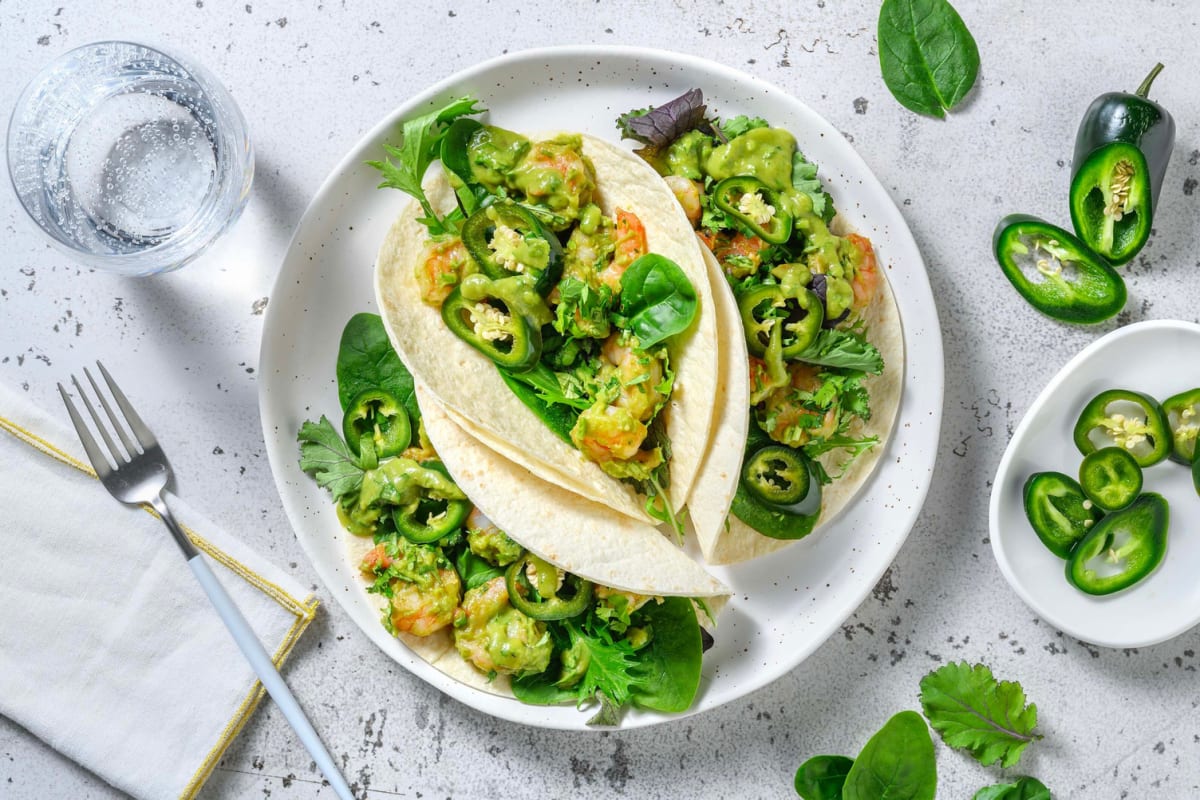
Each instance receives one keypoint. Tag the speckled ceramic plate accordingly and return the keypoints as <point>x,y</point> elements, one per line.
<point>1157,358</point>
<point>784,606</point>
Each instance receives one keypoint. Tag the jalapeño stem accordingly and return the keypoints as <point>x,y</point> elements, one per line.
<point>1144,89</point>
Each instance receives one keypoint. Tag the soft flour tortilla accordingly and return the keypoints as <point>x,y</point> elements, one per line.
<point>468,385</point>
<point>580,536</point>
<point>728,540</point>
<point>569,531</point>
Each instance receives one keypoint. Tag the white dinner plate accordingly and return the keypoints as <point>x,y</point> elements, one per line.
<point>1158,358</point>
<point>784,606</point>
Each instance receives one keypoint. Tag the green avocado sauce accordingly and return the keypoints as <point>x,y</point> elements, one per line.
<point>765,153</point>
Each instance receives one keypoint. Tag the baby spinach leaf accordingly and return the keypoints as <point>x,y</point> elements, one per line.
<point>1025,788</point>
<point>897,763</point>
<point>822,777</point>
<point>928,57</point>
<point>973,711</point>
<point>657,298</point>
<point>366,360</point>
<point>558,418</point>
<point>544,382</point>
<point>668,669</point>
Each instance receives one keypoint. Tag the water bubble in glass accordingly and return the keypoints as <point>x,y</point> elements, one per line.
<point>130,159</point>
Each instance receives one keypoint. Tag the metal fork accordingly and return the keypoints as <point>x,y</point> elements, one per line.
<point>137,475</point>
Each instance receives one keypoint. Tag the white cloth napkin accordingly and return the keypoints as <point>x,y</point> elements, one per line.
<point>109,650</point>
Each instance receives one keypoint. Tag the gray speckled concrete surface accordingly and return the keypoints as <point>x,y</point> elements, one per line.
<point>312,79</point>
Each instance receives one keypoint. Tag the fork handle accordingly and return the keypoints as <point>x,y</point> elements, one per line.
<point>253,650</point>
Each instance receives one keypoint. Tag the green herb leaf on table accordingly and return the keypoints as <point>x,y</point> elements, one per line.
<point>366,360</point>
<point>822,777</point>
<point>928,57</point>
<point>897,763</point>
<point>325,457</point>
<point>1025,788</point>
<point>973,711</point>
<point>418,149</point>
<point>657,298</point>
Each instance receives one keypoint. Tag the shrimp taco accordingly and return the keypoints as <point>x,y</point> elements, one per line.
<point>811,346</point>
<point>550,294</point>
<point>500,594</point>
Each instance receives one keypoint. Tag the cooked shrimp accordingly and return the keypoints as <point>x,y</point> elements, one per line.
<point>440,268</point>
<point>424,609</point>
<point>640,374</point>
<point>496,637</point>
<point>784,409</point>
<point>687,192</point>
<point>555,174</point>
<point>866,275</point>
<point>608,433</point>
<point>629,246</point>
<point>739,254</point>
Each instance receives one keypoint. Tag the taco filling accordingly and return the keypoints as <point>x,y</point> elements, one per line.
<point>566,299</point>
<point>808,303</point>
<point>445,572</point>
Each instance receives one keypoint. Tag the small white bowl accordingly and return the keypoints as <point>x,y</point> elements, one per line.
<point>1159,358</point>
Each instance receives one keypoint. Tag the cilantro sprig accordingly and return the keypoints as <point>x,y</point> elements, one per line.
<point>973,711</point>
<point>326,458</point>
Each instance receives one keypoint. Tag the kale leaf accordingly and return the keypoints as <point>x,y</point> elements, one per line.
<point>843,349</point>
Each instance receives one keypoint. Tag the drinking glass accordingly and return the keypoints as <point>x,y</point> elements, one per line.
<point>130,159</point>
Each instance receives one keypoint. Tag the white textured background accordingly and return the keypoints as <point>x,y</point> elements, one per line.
<point>311,78</point>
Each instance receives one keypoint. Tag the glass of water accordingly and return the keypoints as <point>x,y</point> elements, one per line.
<point>130,159</point>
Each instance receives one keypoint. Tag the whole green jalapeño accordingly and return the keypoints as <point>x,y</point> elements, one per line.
<point>1121,152</point>
<point>1056,272</point>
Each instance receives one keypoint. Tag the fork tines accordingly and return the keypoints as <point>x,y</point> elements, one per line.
<point>144,438</point>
